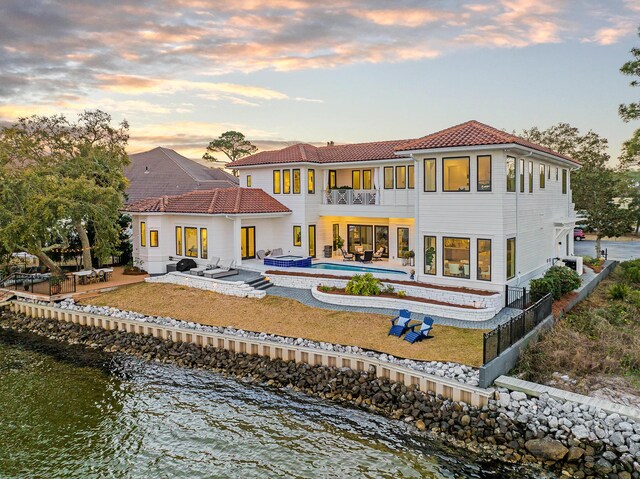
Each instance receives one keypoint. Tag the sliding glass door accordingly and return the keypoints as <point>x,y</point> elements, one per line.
<point>359,238</point>
<point>382,240</point>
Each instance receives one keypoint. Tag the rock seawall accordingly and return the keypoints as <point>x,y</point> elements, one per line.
<point>494,430</point>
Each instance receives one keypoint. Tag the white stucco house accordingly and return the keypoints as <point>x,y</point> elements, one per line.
<point>480,208</point>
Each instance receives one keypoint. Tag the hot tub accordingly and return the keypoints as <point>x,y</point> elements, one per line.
<point>288,261</point>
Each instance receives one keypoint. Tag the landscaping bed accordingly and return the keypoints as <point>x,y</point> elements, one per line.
<point>479,292</point>
<point>342,292</point>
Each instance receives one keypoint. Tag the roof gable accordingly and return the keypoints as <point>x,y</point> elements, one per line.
<point>230,201</point>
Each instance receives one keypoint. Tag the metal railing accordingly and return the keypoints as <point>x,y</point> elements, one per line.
<point>506,335</point>
<point>518,298</point>
<point>351,197</point>
<point>45,284</point>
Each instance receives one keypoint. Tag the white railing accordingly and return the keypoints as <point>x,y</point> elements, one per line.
<point>448,388</point>
<point>351,197</point>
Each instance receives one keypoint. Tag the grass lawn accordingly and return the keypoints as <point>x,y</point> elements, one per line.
<point>287,317</point>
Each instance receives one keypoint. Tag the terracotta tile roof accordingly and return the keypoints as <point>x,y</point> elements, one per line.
<point>162,171</point>
<point>230,201</point>
<point>473,133</point>
<point>303,152</point>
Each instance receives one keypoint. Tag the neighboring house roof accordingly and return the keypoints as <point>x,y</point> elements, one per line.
<point>303,152</point>
<point>470,133</point>
<point>230,201</point>
<point>162,171</point>
<point>474,133</point>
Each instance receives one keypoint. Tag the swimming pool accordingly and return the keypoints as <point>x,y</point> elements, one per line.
<point>352,267</point>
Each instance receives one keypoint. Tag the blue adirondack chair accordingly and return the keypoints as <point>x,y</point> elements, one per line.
<point>422,333</point>
<point>400,324</point>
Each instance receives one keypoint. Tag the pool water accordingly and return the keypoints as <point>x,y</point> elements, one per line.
<point>352,267</point>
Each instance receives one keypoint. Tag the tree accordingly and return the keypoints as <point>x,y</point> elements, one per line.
<point>631,148</point>
<point>79,168</point>
<point>233,144</point>
<point>596,188</point>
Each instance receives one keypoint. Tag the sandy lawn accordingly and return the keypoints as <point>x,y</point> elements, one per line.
<point>287,317</point>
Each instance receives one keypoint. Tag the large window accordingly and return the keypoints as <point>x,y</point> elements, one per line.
<point>403,241</point>
<point>484,259</point>
<point>179,240</point>
<point>401,177</point>
<point>388,177</point>
<point>511,174</point>
<point>296,181</point>
<point>248,181</point>
<point>153,238</point>
<point>297,236</point>
<point>143,234</point>
<point>456,255</point>
<point>355,179</point>
<point>191,242</point>
<point>511,257</point>
<point>359,238</point>
<point>286,181</point>
<point>430,259</point>
<point>484,172</point>
<point>333,179</point>
<point>542,176</point>
<point>430,175</point>
<point>204,244</point>
<point>521,175</point>
<point>455,174</point>
<point>531,177</point>
<point>382,240</point>
<point>336,235</point>
<point>276,182</point>
<point>564,181</point>
<point>366,180</point>
<point>311,181</point>
<point>411,173</point>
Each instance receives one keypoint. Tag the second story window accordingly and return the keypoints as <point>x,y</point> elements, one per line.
<point>333,179</point>
<point>521,163</point>
<point>511,174</point>
<point>388,177</point>
<point>542,176</point>
<point>366,180</point>
<point>484,173</point>
<point>355,179</point>
<point>296,181</point>
<point>411,177</point>
<point>531,177</point>
<point>311,181</point>
<point>153,238</point>
<point>286,181</point>
<point>564,181</point>
<point>143,234</point>
<point>430,175</point>
<point>455,174</point>
<point>276,182</point>
<point>401,177</point>
<point>248,181</point>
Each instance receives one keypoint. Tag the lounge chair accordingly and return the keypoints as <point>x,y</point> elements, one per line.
<point>260,254</point>
<point>377,256</point>
<point>225,268</point>
<point>276,252</point>
<point>367,257</point>
<point>425,327</point>
<point>346,256</point>
<point>199,271</point>
<point>400,324</point>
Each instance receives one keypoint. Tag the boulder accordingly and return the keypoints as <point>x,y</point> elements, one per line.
<point>575,453</point>
<point>546,448</point>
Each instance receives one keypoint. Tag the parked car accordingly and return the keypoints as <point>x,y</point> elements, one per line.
<point>578,234</point>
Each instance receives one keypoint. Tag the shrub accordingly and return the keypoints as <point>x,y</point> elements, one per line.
<point>567,278</point>
<point>542,286</point>
<point>364,285</point>
<point>402,294</point>
<point>324,289</point>
<point>620,291</point>
<point>389,289</point>
<point>630,271</point>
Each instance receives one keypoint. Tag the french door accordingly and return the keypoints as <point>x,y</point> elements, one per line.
<point>248,242</point>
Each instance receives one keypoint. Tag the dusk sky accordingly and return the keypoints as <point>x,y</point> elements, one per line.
<point>182,72</point>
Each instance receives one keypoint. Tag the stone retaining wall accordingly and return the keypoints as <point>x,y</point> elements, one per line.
<point>494,301</point>
<point>467,314</point>
<point>229,288</point>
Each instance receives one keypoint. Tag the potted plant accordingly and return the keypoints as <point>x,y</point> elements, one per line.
<point>412,257</point>
<point>413,274</point>
<point>429,254</point>
<point>339,242</point>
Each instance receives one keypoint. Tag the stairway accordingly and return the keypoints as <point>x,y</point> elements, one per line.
<point>260,283</point>
<point>6,296</point>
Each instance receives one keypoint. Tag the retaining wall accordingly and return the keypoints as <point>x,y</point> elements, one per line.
<point>467,314</point>
<point>229,288</point>
<point>448,388</point>
<point>494,301</point>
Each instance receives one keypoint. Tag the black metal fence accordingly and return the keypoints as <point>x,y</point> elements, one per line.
<point>507,334</point>
<point>44,284</point>
<point>518,298</point>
